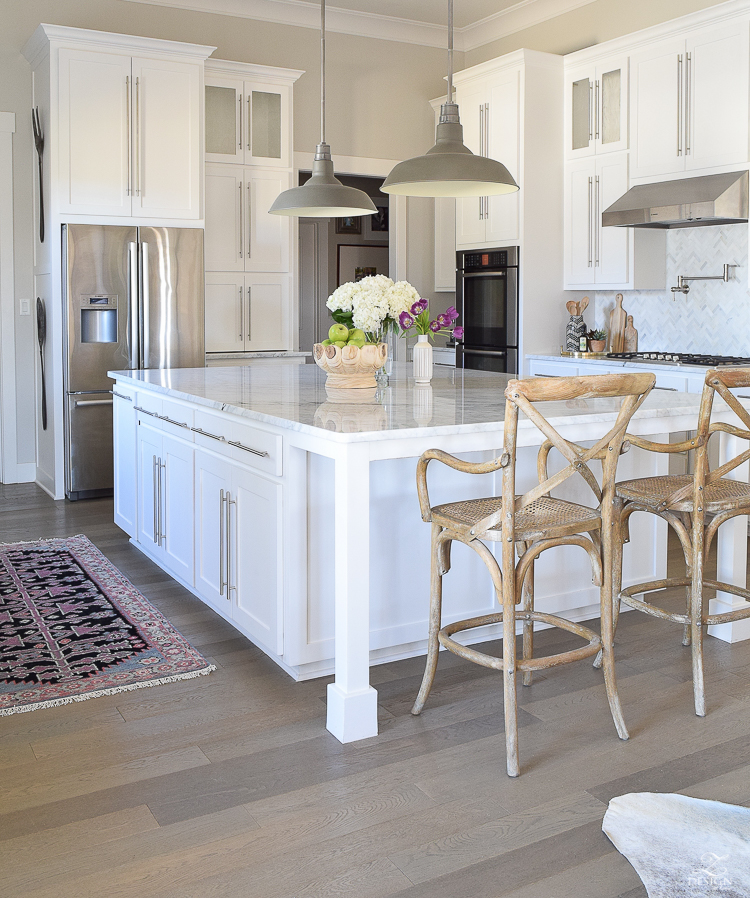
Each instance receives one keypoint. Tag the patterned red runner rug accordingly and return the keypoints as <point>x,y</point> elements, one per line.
<point>72,627</point>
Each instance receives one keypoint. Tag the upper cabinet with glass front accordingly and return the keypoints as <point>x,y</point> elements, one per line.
<point>596,108</point>
<point>248,114</point>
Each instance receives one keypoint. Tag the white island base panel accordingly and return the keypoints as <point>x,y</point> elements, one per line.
<point>295,516</point>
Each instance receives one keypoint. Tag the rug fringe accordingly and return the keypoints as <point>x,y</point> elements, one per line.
<point>53,703</point>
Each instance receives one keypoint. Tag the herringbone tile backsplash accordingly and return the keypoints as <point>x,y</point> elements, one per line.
<point>714,317</point>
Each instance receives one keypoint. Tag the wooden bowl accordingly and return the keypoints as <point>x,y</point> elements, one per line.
<point>350,367</point>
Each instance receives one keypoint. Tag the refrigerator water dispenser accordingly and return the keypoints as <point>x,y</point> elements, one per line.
<point>99,324</point>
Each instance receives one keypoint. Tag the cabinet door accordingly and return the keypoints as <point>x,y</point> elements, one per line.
<point>612,248</point>
<point>225,312</point>
<point>501,120</point>
<point>579,225</point>
<point>267,237</point>
<point>224,129</point>
<point>212,475</point>
<point>225,246</point>
<point>611,106</point>
<point>267,311</point>
<point>177,507</point>
<point>470,220</point>
<point>657,103</point>
<point>717,90</point>
<point>125,460</point>
<point>149,453</point>
<point>94,129</point>
<point>255,538</point>
<point>166,142</point>
<point>579,113</point>
<point>266,123</point>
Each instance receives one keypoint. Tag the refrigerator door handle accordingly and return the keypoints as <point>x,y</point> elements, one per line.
<point>133,305</point>
<point>145,319</point>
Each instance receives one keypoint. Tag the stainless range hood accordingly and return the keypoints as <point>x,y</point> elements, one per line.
<point>685,203</point>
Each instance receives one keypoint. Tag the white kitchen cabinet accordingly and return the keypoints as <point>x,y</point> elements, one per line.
<point>213,482</point>
<point>606,257</point>
<point>689,102</point>
<point>165,499</point>
<point>240,234</point>
<point>596,108</point>
<point>246,313</point>
<point>125,460</point>
<point>129,135</point>
<point>489,110</point>
<point>249,114</point>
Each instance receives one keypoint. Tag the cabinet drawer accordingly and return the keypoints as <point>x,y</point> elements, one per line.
<point>165,414</point>
<point>239,441</point>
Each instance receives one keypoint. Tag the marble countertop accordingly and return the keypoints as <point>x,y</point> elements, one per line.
<point>267,354</point>
<point>457,401</point>
<point>639,364</point>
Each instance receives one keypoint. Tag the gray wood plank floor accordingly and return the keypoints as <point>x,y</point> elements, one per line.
<point>229,785</point>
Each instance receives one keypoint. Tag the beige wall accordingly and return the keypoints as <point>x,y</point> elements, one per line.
<point>591,24</point>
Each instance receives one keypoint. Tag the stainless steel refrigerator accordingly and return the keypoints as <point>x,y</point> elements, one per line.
<point>133,298</point>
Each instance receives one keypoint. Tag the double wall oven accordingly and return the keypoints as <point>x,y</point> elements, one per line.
<point>487,302</point>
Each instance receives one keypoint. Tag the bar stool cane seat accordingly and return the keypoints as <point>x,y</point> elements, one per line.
<point>654,493</point>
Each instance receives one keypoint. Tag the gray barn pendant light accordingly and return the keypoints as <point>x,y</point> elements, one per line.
<point>323,196</point>
<point>449,168</point>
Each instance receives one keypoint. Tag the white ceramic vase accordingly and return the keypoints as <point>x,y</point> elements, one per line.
<point>422,355</point>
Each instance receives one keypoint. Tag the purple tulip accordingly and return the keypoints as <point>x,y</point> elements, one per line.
<point>458,332</point>
<point>444,320</point>
<point>405,320</point>
<point>416,308</point>
<point>434,326</point>
<point>424,303</point>
<point>452,313</point>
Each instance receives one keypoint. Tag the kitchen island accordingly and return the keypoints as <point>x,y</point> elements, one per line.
<point>294,514</point>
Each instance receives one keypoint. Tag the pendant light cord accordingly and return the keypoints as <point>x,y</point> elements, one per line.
<point>323,70</point>
<point>450,50</point>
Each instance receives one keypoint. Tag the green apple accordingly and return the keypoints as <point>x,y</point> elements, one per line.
<point>337,332</point>
<point>326,343</point>
<point>340,343</point>
<point>357,337</point>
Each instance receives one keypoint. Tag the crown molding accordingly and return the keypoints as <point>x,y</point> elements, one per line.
<point>304,14</point>
<point>233,69</point>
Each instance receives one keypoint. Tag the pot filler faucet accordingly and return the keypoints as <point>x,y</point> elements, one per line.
<point>682,281</point>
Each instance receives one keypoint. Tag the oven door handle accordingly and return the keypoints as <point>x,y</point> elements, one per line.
<point>485,274</point>
<point>496,353</point>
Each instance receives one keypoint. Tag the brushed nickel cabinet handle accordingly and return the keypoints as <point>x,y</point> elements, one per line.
<point>138,136</point>
<point>206,433</point>
<point>249,224</point>
<point>156,502</point>
<point>222,537</point>
<point>122,396</point>
<point>228,530</point>
<point>162,499</point>
<point>596,110</point>
<point>249,315</point>
<point>260,453</point>
<point>242,238</point>
<point>597,222</point>
<point>127,125</point>
<point>240,138</point>
<point>679,104</point>
<point>248,121</point>
<point>688,75</point>
<point>242,317</point>
<point>590,217</point>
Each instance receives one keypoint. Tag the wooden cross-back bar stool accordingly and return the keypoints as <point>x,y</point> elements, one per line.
<point>525,525</point>
<point>694,506</point>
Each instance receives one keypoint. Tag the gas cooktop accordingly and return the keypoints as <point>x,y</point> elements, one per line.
<point>680,358</point>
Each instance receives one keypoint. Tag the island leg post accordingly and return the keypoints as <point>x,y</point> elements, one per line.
<point>352,711</point>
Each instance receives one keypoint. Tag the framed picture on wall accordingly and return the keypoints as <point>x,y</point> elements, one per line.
<point>352,224</point>
<point>354,260</point>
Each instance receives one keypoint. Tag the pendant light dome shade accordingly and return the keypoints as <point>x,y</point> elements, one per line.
<point>323,196</point>
<point>449,168</point>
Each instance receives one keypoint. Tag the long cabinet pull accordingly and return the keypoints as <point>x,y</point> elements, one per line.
<point>172,421</point>
<point>127,123</point>
<point>122,396</point>
<point>249,223</point>
<point>145,411</point>
<point>688,76</point>
<point>137,136</point>
<point>481,153</point>
<point>240,140</point>
<point>206,433</point>
<point>248,121</point>
<point>162,500</point>
<point>222,538</point>
<point>590,214</point>
<point>242,316</point>
<point>259,452</point>
<point>597,222</point>
<point>591,110</point>
<point>242,238</point>
<point>228,532</point>
<point>249,315</point>
<point>679,104</point>
<point>156,501</point>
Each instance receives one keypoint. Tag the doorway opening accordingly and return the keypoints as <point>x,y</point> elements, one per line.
<point>333,251</point>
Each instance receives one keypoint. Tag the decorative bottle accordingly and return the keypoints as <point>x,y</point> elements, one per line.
<point>422,356</point>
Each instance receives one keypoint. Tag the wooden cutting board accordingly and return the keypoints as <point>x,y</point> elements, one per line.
<point>617,323</point>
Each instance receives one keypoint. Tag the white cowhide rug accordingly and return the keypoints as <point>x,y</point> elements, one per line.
<point>683,847</point>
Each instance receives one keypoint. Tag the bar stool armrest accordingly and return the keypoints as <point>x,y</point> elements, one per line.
<point>466,467</point>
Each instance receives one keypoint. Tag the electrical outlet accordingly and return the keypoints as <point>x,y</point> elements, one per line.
<point>25,307</point>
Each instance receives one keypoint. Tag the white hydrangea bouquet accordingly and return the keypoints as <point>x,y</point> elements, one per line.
<point>372,304</point>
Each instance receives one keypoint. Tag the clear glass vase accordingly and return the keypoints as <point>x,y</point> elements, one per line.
<point>389,336</point>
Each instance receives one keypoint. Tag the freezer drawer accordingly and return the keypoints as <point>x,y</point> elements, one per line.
<point>89,467</point>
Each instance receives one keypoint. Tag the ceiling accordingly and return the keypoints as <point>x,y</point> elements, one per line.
<point>423,22</point>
